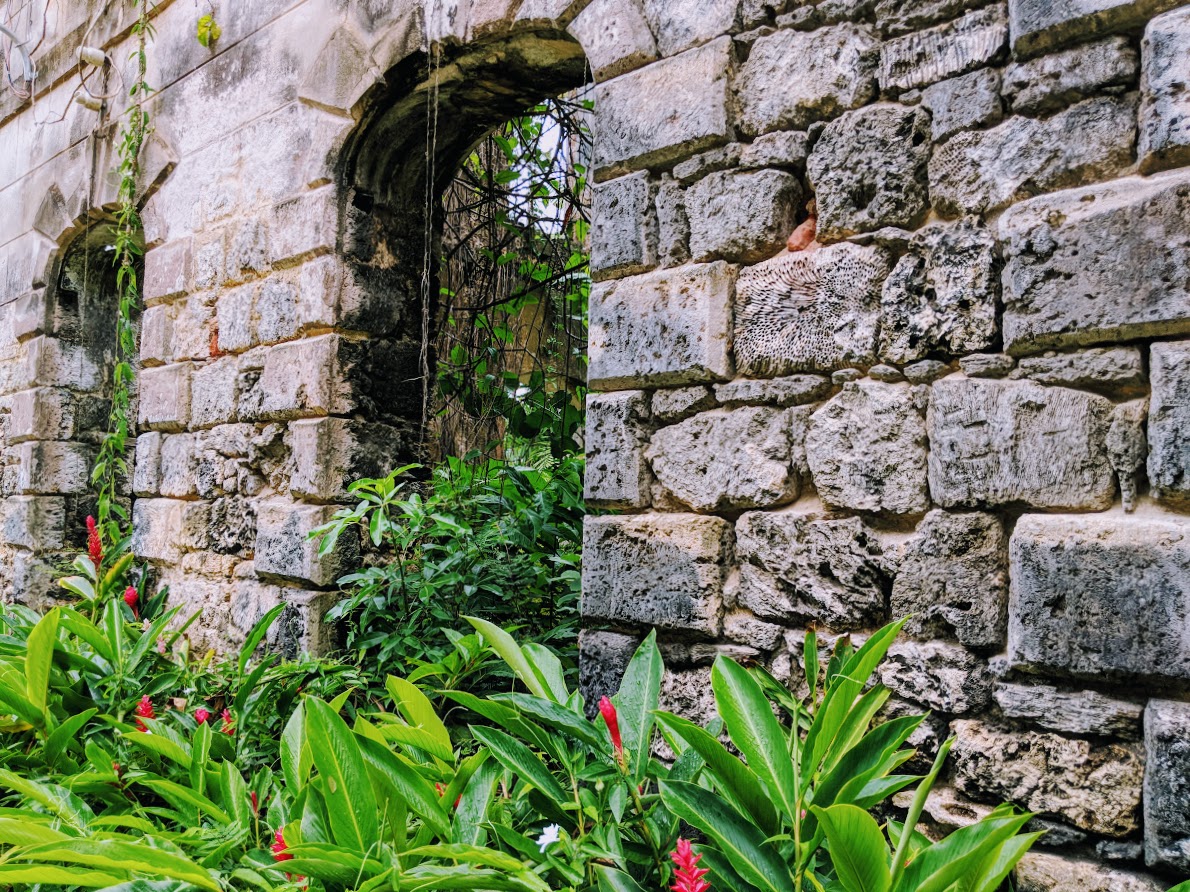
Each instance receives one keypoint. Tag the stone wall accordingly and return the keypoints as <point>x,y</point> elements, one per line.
<point>966,401</point>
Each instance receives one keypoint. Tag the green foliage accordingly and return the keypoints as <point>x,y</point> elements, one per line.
<point>481,536</point>
<point>208,31</point>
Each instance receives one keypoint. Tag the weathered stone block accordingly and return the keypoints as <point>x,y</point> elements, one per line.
<point>941,677</point>
<point>663,112</point>
<point>304,226</point>
<point>742,217</point>
<point>603,658</point>
<point>234,318</point>
<point>783,392</point>
<point>995,442</point>
<point>663,570</point>
<point>868,170</point>
<point>679,26</point>
<point>177,466</point>
<point>624,227</point>
<point>673,226</point>
<point>1169,422</point>
<point>666,327</point>
<point>1040,872</point>
<point>164,402</point>
<point>1100,596</point>
<point>953,579</point>
<point>615,37</point>
<point>1097,787</point>
<point>328,454</point>
<point>1053,81</point>
<point>793,78</point>
<point>990,169</point>
<point>1165,101</point>
<point>963,103</point>
<point>167,271</point>
<point>727,459</point>
<point>285,551</point>
<point>164,529</point>
<point>801,565</point>
<point>941,295</point>
<point>785,148</point>
<point>156,335</point>
<point>45,467</point>
<point>867,450</point>
<point>1115,370</point>
<point>1167,785</point>
<point>616,471</point>
<point>1038,25</point>
<point>675,405</point>
<point>810,311</point>
<point>954,48</point>
<point>214,390</point>
<point>146,468</point>
<point>896,17</point>
<point>1100,264</point>
<point>296,379</point>
<point>1070,712</point>
<point>42,413</point>
<point>52,362</point>
<point>37,523</point>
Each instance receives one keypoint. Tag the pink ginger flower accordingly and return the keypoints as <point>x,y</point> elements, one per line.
<point>689,876</point>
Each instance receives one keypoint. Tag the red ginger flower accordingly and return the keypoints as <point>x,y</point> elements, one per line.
<point>94,545</point>
<point>131,596</point>
<point>689,876</point>
<point>279,848</point>
<point>144,710</point>
<point>608,710</point>
<point>202,715</point>
<point>228,725</point>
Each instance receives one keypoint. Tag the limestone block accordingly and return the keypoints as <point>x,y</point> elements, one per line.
<point>52,362</point>
<point>146,467</point>
<point>616,472</point>
<point>793,78</point>
<point>785,148</point>
<point>1127,447</point>
<point>603,658</point>
<point>1051,82</point>
<point>664,328</point>
<point>986,170</point>
<point>925,372</point>
<point>248,252</point>
<point>675,405</point>
<point>285,551</point>
<point>328,454</point>
<point>942,294</point>
<point>726,459</point>
<point>953,579</point>
<point>742,216</point>
<point>1070,712</point>
<point>867,450</point>
<point>1100,596</point>
<point>1116,370</point>
<point>1073,262</point>
<point>896,17</point>
<point>35,581</point>
<point>177,466</point>
<point>209,259</point>
<point>250,601</point>
<point>664,112</point>
<point>234,319</point>
<point>214,389</point>
<point>941,677</point>
<point>164,402</point>
<point>275,311</point>
<point>963,103</point>
<point>673,226</point>
<point>297,379</point>
<point>688,694</point>
<point>30,313</point>
<point>341,72</point>
<point>927,57</point>
<point>1095,786</point>
<point>693,169</point>
<point>1039,25</point>
<point>43,413</point>
<point>624,237</point>
<point>615,37</point>
<point>1167,785</point>
<point>1165,103</point>
<point>679,26</point>
<point>987,365</point>
<point>809,311</point>
<point>156,335</point>
<point>944,809</point>
<point>164,529</point>
<point>995,442</point>
<point>663,570</point>
<point>37,523</point>
<point>1041,872</point>
<point>802,565</point>
<point>1169,422</point>
<point>167,271</point>
<point>304,226</point>
<point>794,390</point>
<point>742,627</point>
<point>868,170</point>
<point>53,467</point>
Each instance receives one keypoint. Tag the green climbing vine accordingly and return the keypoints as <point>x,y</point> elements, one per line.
<point>111,465</point>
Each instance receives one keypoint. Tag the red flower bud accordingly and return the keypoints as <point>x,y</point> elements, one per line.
<point>202,715</point>
<point>94,545</point>
<point>689,876</point>
<point>228,725</point>
<point>255,802</point>
<point>608,710</point>
<point>279,848</point>
<point>131,596</point>
<point>144,710</point>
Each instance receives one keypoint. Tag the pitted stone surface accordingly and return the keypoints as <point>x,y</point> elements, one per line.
<point>809,311</point>
<point>615,471</point>
<point>1169,422</point>
<point>942,295</point>
<point>679,26</point>
<point>1167,785</point>
<point>963,103</point>
<point>801,565</point>
<point>603,659</point>
<point>742,217</point>
<point>1099,264</point>
<point>675,405</point>
<point>1096,787</point>
<point>1070,712</point>
<point>1117,370</point>
<point>986,170</point>
<point>783,392</point>
<point>615,37</point>
<point>1040,872</point>
<point>1039,25</point>
<point>1051,82</point>
<point>868,170</point>
<point>895,17</point>
<point>727,459</point>
<point>938,53</point>
<point>666,570</point>
<point>1100,596</point>
<point>995,442</point>
<point>867,450</point>
<point>793,78</point>
<point>624,238</point>
<point>1127,446</point>
<point>667,327</point>
<point>953,579</point>
<point>1165,103</point>
<point>285,552</point>
<point>940,677</point>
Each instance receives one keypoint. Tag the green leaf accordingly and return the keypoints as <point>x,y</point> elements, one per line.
<point>27,831</point>
<point>131,857</point>
<point>208,31</point>
<point>558,717</point>
<point>177,795</point>
<point>857,847</point>
<point>40,658</point>
<point>503,644</point>
<point>296,760</point>
<point>158,743</point>
<point>262,626</point>
<point>520,760</point>
<point>612,880</point>
<point>939,866</point>
<point>65,734</point>
<point>404,782</point>
<point>741,842</point>
<point>419,712</point>
<point>471,814</point>
<point>19,875</point>
<point>636,703</point>
<point>997,865</point>
<point>351,804</point>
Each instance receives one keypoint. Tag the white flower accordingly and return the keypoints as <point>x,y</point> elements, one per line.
<point>548,836</point>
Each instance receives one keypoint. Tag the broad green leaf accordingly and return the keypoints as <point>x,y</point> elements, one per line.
<point>157,742</point>
<point>467,854</point>
<point>915,810</point>
<point>409,736</point>
<point>27,832</point>
<point>411,788</point>
<point>40,658</point>
<point>858,850</point>
<point>636,702</point>
<point>19,875</point>
<point>471,814</point>
<point>66,734</point>
<point>612,880</point>
<point>996,866</point>
<point>179,795</point>
<point>419,712</point>
<point>503,644</point>
<point>558,718</point>
<point>520,760</point>
<point>296,760</point>
<point>548,668</point>
<point>351,804</point>
<point>57,800</point>
<point>740,841</point>
<point>125,856</point>
<point>938,866</point>
<point>256,636</point>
